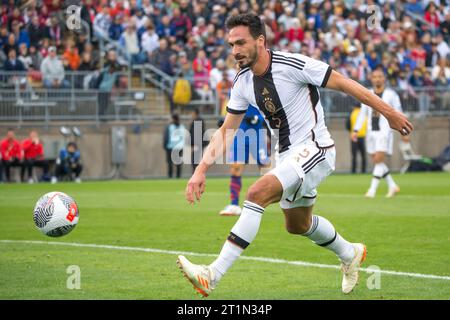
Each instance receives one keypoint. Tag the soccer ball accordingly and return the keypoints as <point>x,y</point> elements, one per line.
<point>55,214</point>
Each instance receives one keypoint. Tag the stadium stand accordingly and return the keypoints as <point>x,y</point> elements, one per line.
<point>155,42</point>
<point>122,62</point>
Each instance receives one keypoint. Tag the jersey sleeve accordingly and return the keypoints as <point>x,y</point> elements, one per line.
<point>237,104</point>
<point>363,113</point>
<point>314,72</point>
<point>396,101</point>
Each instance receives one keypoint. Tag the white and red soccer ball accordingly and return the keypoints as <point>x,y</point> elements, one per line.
<point>55,214</point>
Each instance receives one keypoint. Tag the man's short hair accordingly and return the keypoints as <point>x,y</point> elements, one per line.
<point>250,20</point>
<point>72,144</point>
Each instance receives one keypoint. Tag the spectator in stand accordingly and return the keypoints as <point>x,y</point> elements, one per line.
<point>149,40</point>
<point>13,64</point>
<point>180,24</point>
<point>15,17</point>
<point>111,60</point>
<point>415,6</point>
<point>445,27</point>
<point>24,56</point>
<point>159,57</point>
<point>37,32</point>
<point>216,73</point>
<point>33,156</point>
<point>71,54</point>
<point>441,70</point>
<point>55,31</point>
<point>222,92</point>
<point>52,70</point>
<point>164,28</point>
<point>20,34</point>
<point>116,29</point>
<point>10,44</point>
<point>416,79</point>
<point>433,55</point>
<point>202,68</point>
<point>102,21</point>
<point>431,15</point>
<point>130,42</point>
<point>36,58</point>
<point>184,67</point>
<point>442,46</point>
<point>119,9</point>
<point>68,164</point>
<point>11,154</point>
<point>43,49</point>
<point>82,80</point>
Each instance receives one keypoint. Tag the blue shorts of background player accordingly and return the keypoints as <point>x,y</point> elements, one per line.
<point>250,139</point>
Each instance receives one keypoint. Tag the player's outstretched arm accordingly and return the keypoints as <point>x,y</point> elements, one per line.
<point>397,120</point>
<point>216,148</point>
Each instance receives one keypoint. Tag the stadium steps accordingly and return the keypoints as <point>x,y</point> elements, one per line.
<point>155,102</point>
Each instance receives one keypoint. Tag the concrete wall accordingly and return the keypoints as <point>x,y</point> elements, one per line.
<point>146,156</point>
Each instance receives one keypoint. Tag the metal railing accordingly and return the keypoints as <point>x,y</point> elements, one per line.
<point>21,102</point>
<point>46,105</point>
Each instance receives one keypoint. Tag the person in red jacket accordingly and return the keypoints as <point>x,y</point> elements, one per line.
<point>11,153</point>
<point>33,156</point>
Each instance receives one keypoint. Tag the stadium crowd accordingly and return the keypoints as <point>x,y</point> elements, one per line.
<point>187,38</point>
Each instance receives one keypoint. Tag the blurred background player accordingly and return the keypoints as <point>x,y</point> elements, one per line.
<point>11,154</point>
<point>68,164</point>
<point>379,140</point>
<point>33,156</point>
<point>358,146</point>
<point>251,140</point>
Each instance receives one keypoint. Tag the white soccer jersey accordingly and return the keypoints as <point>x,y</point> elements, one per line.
<point>376,121</point>
<point>287,95</point>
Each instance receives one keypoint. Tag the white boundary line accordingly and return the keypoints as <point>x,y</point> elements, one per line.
<point>260,259</point>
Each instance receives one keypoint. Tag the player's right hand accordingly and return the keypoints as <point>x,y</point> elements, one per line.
<point>195,187</point>
<point>354,136</point>
<point>398,121</point>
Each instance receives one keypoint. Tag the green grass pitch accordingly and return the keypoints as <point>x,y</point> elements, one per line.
<point>409,233</point>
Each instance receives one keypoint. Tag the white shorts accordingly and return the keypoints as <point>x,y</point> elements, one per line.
<point>300,171</point>
<point>379,141</point>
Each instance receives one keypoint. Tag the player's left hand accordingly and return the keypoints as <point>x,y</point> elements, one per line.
<point>398,121</point>
<point>195,187</point>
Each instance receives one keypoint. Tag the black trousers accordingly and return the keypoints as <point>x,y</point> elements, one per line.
<point>359,147</point>
<point>29,164</point>
<point>103,102</point>
<point>7,164</point>
<point>171,164</point>
<point>63,170</point>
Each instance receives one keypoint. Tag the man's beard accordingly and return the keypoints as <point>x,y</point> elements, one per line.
<point>252,60</point>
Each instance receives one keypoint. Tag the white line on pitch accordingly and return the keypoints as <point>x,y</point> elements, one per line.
<point>260,259</point>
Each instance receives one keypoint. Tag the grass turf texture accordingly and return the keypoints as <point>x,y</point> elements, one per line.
<point>408,233</point>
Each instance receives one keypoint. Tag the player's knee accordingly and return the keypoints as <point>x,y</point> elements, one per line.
<point>256,194</point>
<point>299,227</point>
<point>260,194</point>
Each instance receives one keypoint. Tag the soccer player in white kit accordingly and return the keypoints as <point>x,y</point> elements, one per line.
<point>379,138</point>
<point>284,87</point>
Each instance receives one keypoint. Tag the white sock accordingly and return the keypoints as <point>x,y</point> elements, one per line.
<point>378,172</point>
<point>241,235</point>
<point>387,175</point>
<point>323,234</point>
